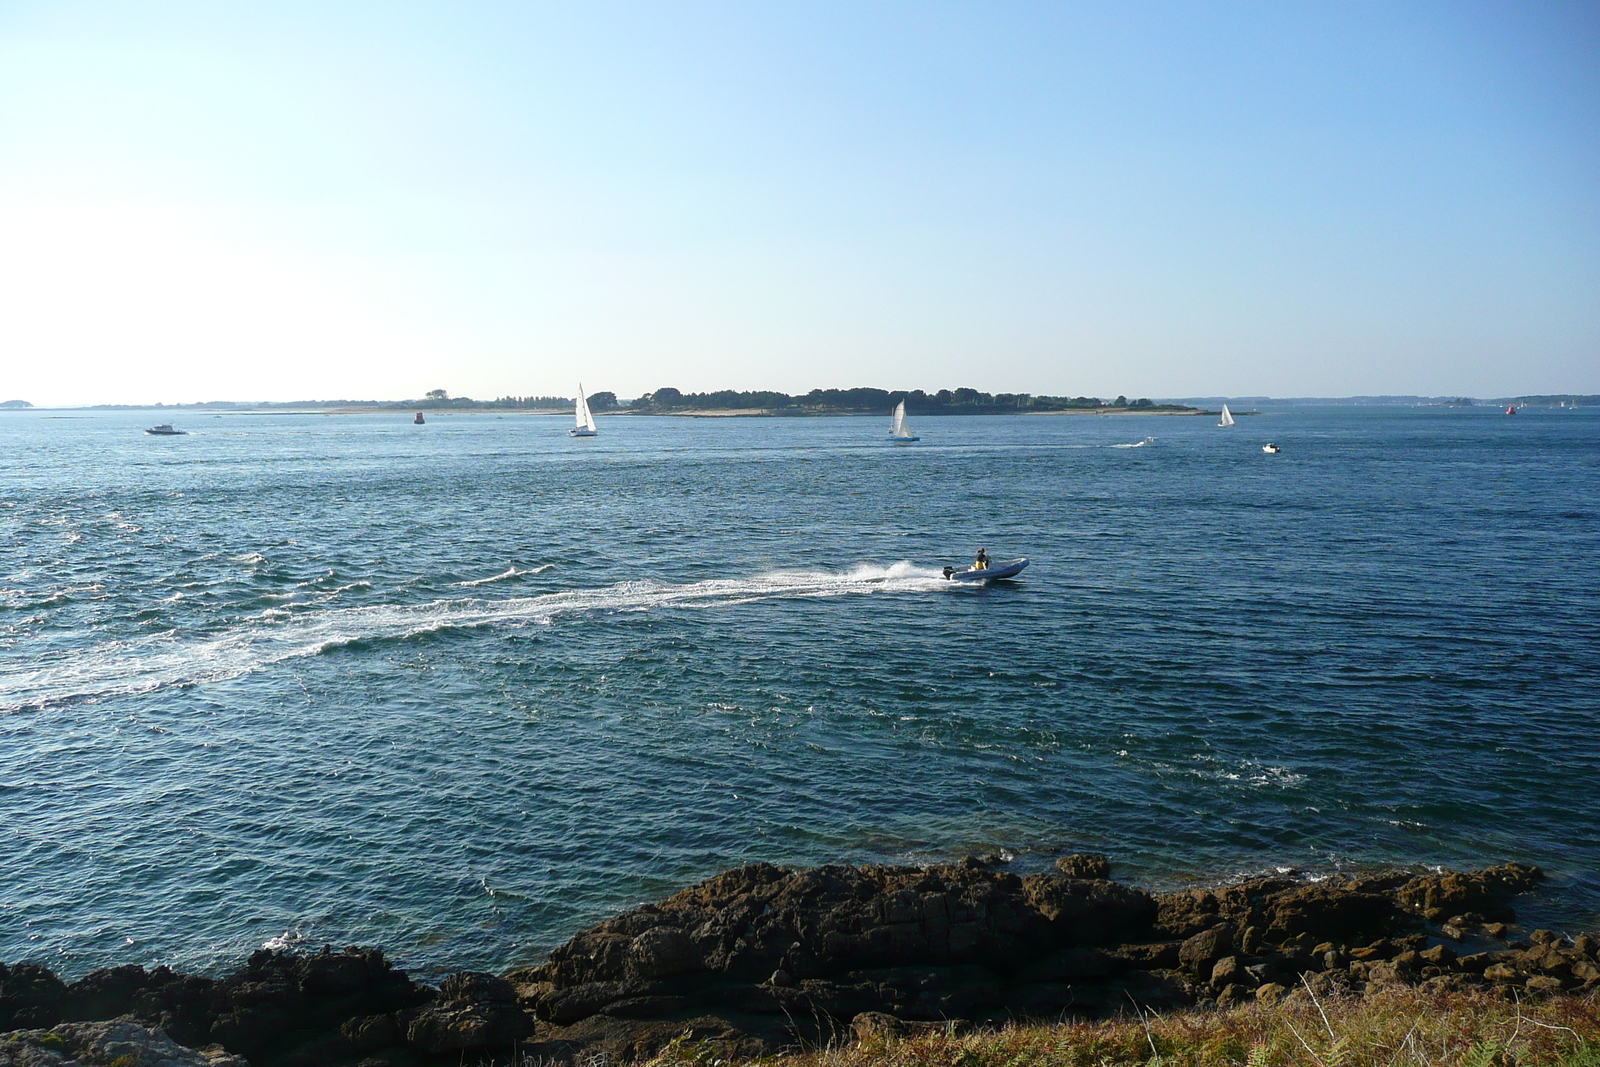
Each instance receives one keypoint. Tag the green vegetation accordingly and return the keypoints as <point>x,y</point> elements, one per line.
<point>1555,400</point>
<point>882,401</point>
<point>668,401</point>
<point>1395,1028</point>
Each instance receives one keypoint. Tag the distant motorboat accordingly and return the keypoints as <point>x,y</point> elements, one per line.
<point>899,429</point>
<point>419,420</point>
<point>1271,449</point>
<point>1227,417</point>
<point>1008,569</point>
<point>165,430</point>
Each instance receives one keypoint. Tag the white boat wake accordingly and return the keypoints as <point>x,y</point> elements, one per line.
<point>510,572</point>
<point>121,668</point>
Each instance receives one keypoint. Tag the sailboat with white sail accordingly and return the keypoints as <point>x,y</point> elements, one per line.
<point>899,429</point>
<point>585,418</point>
<point>1227,417</point>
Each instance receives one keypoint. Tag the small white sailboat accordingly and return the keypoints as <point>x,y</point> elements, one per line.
<point>899,430</point>
<point>1227,417</point>
<point>585,419</point>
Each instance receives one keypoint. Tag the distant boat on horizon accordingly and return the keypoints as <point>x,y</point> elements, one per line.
<point>581,414</point>
<point>899,429</point>
<point>165,430</point>
<point>1227,417</point>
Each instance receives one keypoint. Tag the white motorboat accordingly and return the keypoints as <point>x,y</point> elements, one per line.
<point>585,419</point>
<point>1271,449</point>
<point>899,429</point>
<point>1003,569</point>
<point>1227,417</point>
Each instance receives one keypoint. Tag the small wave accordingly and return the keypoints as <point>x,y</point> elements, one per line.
<point>277,635</point>
<point>1248,772</point>
<point>254,559</point>
<point>510,572</point>
<point>285,941</point>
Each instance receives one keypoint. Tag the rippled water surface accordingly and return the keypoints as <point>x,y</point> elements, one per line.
<point>458,689</point>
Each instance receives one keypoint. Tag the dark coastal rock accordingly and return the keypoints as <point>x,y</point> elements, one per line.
<point>1084,865</point>
<point>474,1026</point>
<point>751,922</point>
<point>106,993</point>
<point>563,1006</point>
<point>761,958</point>
<point>1075,964</point>
<point>1090,911</point>
<point>31,997</point>
<point>280,1008</point>
<point>1488,892</point>
<point>894,946</point>
<point>475,1012</point>
<point>1330,912</point>
<point>117,1043</point>
<point>1200,953</point>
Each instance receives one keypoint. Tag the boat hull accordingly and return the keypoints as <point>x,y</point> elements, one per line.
<point>1009,569</point>
<point>904,440</point>
<point>583,433</point>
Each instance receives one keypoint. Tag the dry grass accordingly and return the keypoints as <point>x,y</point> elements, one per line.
<point>1400,1028</point>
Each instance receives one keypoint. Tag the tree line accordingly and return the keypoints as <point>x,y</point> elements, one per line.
<point>876,401</point>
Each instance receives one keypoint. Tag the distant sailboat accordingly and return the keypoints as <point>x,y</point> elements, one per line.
<point>585,420</point>
<point>1227,417</point>
<point>899,429</point>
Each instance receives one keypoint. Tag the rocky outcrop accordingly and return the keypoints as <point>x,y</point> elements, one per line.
<point>280,1008</point>
<point>883,950</point>
<point>117,1043</point>
<point>475,1012</point>
<point>762,957</point>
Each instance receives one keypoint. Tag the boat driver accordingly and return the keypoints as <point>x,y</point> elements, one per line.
<point>982,563</point>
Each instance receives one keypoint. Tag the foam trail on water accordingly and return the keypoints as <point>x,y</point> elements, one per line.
<point>126,667</point>
<point>510,572</point>
<point>1138,444</point>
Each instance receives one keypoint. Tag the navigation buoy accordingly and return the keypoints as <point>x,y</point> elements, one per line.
<point>1511,409</point>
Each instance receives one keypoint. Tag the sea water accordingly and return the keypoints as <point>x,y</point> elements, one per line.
<point>461,689</point>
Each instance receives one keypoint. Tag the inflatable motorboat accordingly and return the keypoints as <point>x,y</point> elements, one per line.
<point>1001,569</point>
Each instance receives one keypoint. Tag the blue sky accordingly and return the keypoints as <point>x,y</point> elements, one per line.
<point>216,200</point>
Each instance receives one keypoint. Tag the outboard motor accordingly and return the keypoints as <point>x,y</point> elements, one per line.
<point>948,571</point>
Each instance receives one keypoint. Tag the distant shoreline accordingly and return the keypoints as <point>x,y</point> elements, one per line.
<point>687,413</point>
